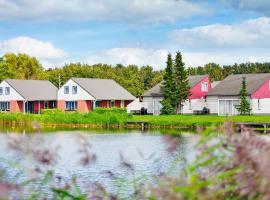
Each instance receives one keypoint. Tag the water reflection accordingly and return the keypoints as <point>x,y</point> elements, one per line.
<point>93,157</point>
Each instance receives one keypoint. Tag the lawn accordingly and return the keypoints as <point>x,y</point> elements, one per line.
<point>190,120</point>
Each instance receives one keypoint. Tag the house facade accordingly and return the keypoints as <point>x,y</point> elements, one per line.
<point>86,94</point>
<point>224,98</point>
<point>199,87</point>
<point>27,96</point>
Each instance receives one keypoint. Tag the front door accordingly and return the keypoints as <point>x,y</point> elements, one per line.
<point>29,107</point>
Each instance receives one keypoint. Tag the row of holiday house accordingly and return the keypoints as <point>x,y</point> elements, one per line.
<point>78,94</point>
<point>85,94</point>
<point>219,98</point>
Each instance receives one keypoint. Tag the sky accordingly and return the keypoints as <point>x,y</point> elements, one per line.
<point>140,32</point>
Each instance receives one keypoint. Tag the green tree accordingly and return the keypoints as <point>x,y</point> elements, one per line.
<point>182,84</point>
<point>244,107</point>
<point>167,88</point>
<point>214,71</point>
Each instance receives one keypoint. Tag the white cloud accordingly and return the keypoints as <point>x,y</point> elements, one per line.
<point>254,33</point>
<point>135,11</point>
<point>261,6</point>
<point>46,52</point>
<point>126,56</point>
<point>157,58</point>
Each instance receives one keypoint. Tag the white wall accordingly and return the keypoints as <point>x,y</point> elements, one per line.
<point>212,104</point>
<point>81,93</point>
<point>193,104</point>
<point>265,106</point>
<point>13,96</point>
<point>153,105</point>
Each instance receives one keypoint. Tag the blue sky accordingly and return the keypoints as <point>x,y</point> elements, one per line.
<point>136,31</point>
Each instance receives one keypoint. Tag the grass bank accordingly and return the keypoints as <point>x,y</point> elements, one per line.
<point>193,120</point>
<point>117,118</point>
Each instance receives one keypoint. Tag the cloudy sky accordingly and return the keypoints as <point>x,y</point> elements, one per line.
<point>136,31</point>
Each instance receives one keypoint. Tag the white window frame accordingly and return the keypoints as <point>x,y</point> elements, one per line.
<point>66,89</point>
<point>7,91</point>
<point>259,104</point>
<point>204,87</point>
<point>74,89</point>
<point>226,100</point>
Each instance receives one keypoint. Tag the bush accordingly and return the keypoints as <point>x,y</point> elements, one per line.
<point>51,111</point>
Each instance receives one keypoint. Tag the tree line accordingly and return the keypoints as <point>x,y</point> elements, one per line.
<point>135,79</point>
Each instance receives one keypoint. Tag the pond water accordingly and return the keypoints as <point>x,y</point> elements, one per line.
<point>112,156</point>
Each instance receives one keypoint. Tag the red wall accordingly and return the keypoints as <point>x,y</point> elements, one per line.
<point>262,92</point>
<point>196,91</point>
<point>118,103</point>
<point>36,106</point>
<point>84,106</point>
<point>105,104</point>
<point>61,105</point>
<point>127,102</point>
<point>16,106</point>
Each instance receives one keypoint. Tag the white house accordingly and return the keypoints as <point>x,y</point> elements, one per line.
<point>85,94</point>
<point>223,99</point>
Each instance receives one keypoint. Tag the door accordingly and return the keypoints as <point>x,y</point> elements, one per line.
<point>29,107</point>
<point>228,107</point>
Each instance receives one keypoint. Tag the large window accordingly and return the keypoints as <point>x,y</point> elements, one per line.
<point>112,103</point>
<point>4,106</point>
<point>98,104</point>
<point>1,91</point>
<point>74,89</point>
<point>71,105</point>
<point>66,90</point>
<point>228,107</point>
<point>7,91</point>
<point>204,87</point>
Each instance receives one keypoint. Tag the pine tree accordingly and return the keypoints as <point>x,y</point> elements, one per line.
<point>182,84</point>
<point>167,88</point>
<point>244,108</point>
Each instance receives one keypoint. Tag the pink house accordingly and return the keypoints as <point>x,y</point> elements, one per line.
<point>224,98</point>
<point>200,86</point>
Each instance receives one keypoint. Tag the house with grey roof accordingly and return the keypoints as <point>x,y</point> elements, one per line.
<point>27,96</point>
<point>225,97</point>
<point>199,86</point>
<point>85,94</point>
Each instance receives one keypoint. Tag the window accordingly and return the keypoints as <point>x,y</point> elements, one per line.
<point>98,104</point>
<point>112,103</point>
<point>71,105</point>
<point>46,104</point>
<point>1,91</point>
<point>66,90</point>
<point>7,92</point>
<point>189,105</point>
<point>204,87</point>
<point>4,106</point>
<point>74,89</point>
<point>259,104</point>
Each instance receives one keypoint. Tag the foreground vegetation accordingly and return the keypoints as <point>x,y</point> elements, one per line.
<point>231,167</point>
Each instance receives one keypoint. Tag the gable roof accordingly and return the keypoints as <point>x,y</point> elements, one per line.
<point>104,89</point>
<point>34,90</point>
<point>232,85</point>
<point>156,90</point>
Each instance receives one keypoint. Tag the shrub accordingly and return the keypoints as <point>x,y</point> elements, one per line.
<point>51,111</point>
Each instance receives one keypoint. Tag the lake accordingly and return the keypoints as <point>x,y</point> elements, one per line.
<point>112,158</point>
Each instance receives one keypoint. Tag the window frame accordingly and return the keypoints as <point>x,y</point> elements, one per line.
<point>66,89</point>
<point>1,90</point>
<point>74,89</point>
<point>112,103</point>
<point>7,90</point>
<point>259,104</point>
<point>71,106</point>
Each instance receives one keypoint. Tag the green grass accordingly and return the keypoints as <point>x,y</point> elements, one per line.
<point>192,120</point>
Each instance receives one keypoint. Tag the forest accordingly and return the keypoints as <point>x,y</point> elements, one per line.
<point>136,79</point>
